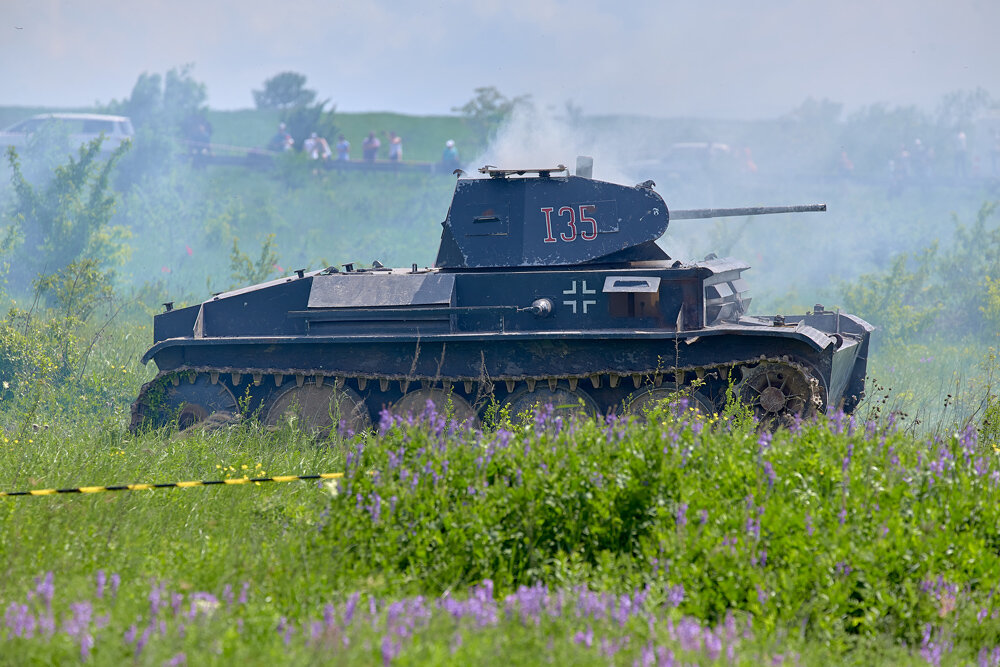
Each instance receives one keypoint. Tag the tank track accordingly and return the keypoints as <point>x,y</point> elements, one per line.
<point>253,387</point>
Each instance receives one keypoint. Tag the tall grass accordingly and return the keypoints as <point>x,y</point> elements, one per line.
<point>596,540</point>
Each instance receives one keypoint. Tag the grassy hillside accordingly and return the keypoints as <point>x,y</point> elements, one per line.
<point>423,136</point>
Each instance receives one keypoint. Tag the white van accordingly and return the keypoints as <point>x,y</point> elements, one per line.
<point>81,127</point>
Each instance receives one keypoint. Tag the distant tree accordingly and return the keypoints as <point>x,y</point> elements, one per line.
<point>960,108</point>
<point>164,102</point>
<point>163,110</point>
<point>284,91</point>
<point>144,104</point>
<point>488,109</point>
<point>301,121</point>
<point>817,112</point>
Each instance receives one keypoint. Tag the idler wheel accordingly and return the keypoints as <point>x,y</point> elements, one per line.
<point>640,402</point>
<point>318,409</point>
<point>777,393</point>
<point>564,401</point>
<point>445,402</point>
<point>189,403</point>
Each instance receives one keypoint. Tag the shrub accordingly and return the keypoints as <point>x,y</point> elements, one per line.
<point>836,527</point>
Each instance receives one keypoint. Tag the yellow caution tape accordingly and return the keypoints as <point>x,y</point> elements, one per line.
<point>172,485</point>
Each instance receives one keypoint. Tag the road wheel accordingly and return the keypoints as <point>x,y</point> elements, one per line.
<point>640,402</point>
<point>778,393</point>
<point>564,401</point>
<point>185,403</point>
<point>415,403</point>
<point>317,409</point>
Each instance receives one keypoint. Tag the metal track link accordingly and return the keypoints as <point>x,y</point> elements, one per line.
<point>594,378</point>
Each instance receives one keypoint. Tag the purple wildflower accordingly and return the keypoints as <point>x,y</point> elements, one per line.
<point>796,426</point>
<point>244,589</point>
<point>675,596</point>
<point>101,581</point>
<point>390,649</point>
<point>930,651</point>
<point>980,466</point>
<point>753,519</point>
<point>764,441</point>
<point>86,644</point>
<point>847,459</point>
<point>713,645</point>
<point>45,588</point>
<point>352,603</point>
<point>385,420</point>
<point>19,620</point>
<point>143,640</point>
<point>689,634</point>
<point>155,597</point>
<point>286,630</point>
<point>769,472</point>
<point>681,515</point>
<point>375,508</point>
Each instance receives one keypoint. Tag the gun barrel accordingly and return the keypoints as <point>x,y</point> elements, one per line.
<point>693,213</point>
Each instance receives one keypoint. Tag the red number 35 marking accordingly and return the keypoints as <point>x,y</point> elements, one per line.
<point>584,210</point>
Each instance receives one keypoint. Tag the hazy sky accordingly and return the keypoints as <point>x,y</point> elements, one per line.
<point>723,58</point>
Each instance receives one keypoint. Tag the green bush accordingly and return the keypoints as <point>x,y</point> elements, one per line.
<point>838,528</point>
<point>949,292</point>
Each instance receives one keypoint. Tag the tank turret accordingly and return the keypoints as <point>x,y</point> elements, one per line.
<point>548,289</point>
<point>507,221</point>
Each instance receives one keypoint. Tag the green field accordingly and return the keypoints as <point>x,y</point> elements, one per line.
<point>668,539</point>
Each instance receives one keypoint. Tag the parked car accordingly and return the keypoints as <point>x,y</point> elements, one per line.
<point>81,128</point>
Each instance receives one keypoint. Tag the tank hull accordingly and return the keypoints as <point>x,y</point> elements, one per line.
<point>606,366</point>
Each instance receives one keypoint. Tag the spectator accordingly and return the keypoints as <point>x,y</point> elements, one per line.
<point>449,157</point>
<point>903,166</point>
<point>961,155</point>
<point>198,133</point>
<point>395,147</point>
<point>921,158</point>
<point>316,147</point>
<point>343,149</point>
<point>282,141</point>
<point>370,147</point>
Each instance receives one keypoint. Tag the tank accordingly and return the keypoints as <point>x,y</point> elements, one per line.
<point>548,288</point>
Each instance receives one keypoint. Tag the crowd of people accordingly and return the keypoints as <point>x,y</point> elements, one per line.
<point>917,163</point>
<point>318,148</point>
